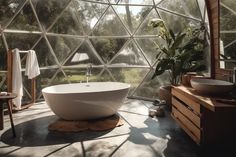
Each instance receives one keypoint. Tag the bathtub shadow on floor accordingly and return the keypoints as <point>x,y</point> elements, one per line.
<point>35,133</point>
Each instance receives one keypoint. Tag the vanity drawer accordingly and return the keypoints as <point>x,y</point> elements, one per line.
<point>186,111</point>
<point>192,104</point>
<point>193,131</point>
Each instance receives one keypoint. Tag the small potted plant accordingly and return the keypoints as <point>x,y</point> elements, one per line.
<point>178,54</point>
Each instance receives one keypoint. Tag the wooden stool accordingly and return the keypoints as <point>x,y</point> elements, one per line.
<point>5,99</point>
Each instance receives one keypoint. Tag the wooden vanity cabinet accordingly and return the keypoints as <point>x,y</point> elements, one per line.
<point>204,119</point>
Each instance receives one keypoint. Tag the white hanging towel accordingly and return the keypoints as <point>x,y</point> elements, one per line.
<point>32,67</point>
<point>17,86</point>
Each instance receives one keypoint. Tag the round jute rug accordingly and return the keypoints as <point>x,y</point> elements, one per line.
<point>94,125</point>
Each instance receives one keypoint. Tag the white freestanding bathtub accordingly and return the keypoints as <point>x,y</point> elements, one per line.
<point>83,101</point>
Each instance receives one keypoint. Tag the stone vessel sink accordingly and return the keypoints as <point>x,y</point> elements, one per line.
<point>211,86</point>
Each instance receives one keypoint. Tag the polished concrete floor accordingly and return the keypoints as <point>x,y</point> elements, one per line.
<point>140,136</point>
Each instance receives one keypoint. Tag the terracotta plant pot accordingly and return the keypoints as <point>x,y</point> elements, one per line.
<point>165,94</point>
<point>185,79</point>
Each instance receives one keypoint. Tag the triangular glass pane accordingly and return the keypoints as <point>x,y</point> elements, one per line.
<point>185,7</point>
<point>202,6</point>
<point>229,52</point>
<point>76,75</point>
<point>40,98</point>
<point>109,25</point>
<point>27,95</point>
<point>105,76</point>
<point>207,20</point>
<point>63,46</point>
<point>45,58</point>
<point>44,79</point>
<point>8,10</point>
<point>150,87</point>
<point>227,18</point>
<point>95,75</point>
<point>226,65</point>
<point>132,16</point>
<point>142,2</point>
<point>227,38</point>
<point>89,13</point>
<point>177,23</point>
<point>49,10</point>
<point>229,3</point>
<point>130,55</point>
<point>25,20</point>
<point>21,41</point>
<point>149,47</point>
<point>3,82</point>
<point>146,28</point>
<point>3,56</point>
<point>107,48</point>
<point>59,78</point>
<point>83,55</point>
<point>133,76</point>
<point>68,23</point>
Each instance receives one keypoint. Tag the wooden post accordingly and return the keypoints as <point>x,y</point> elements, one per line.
<point>9,73</point>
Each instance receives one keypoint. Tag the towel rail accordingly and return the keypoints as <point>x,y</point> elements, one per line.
<point>9,82</point>
<point>24,51</point>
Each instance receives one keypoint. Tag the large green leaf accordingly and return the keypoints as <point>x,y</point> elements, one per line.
<point>161,67</point>
<point>182,53</point>
<point>172,34</point>
<point>178,41</point>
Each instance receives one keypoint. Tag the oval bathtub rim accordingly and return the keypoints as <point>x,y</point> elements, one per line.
<point>44,89</point>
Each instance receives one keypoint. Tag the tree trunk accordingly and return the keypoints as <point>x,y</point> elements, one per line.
<point>129,20</point>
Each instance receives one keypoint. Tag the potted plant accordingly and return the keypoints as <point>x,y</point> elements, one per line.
<point>178,54</point>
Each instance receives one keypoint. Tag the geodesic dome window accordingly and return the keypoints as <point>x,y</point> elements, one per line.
<point>227,34</point>
<point>115,36</point>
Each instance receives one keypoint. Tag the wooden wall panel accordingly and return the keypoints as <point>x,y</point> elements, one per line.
<point>213,14</point>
